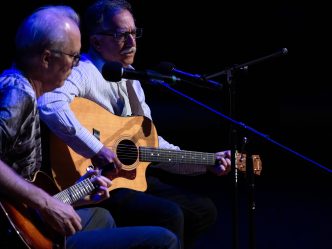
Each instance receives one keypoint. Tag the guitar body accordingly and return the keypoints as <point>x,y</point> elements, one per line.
<point>120,134</point>
<point>26,223</point>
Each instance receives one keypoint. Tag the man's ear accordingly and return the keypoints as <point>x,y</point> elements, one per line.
<point>45,58</point>
<point>95,42</point>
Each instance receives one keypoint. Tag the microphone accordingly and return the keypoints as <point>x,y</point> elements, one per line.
<point>114,71</point>
<point>169,69</point>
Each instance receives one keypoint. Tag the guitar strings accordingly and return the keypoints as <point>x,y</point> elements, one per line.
<point>125,151</point>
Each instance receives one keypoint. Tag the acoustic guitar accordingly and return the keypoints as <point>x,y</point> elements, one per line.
<point>134,139</point>
<point>25,221</point>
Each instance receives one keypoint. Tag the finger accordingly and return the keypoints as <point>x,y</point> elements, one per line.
<point>107,181</point>
<point>104,191</point>
<point>69,228</point>
<point>219,155</point>
<point>77,218</point>
<point>60,228</point>
<point>104,181</point>
<point>89,172</point>
<point>225,164</point>
<point>76,224</point>
<point>117,163</point>
<point>222,161</point>
<point>101,194</point>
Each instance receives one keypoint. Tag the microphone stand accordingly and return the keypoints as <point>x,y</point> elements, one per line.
<point>229,72</point>
<point>231,82</point>
<point>245,66</point>
<point>233,145</point>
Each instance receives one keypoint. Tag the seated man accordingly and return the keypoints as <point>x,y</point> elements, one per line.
<point>112,34</point>
<point>48,44</point>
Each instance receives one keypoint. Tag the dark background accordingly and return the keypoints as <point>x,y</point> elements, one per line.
<point>287,98</point>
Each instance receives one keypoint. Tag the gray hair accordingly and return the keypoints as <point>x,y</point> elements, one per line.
<point>99,14</point>
<point>43,30</point>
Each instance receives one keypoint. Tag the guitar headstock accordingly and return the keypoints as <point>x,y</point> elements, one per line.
<point>241,163</point>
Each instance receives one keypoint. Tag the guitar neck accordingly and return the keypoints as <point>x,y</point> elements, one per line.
<point>149,154</point>
<point>76,192</point>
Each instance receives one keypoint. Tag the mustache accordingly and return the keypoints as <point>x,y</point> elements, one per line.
<point>128,50</point>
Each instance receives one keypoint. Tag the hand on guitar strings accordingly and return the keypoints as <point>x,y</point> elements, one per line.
<point>223,163</point>
<point>60,216</point>
<point>106,159</point>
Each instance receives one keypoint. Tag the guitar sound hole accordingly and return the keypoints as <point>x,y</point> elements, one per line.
<point>127,152</point>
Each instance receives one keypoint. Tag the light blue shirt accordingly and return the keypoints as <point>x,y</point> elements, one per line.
<point>87,81</point>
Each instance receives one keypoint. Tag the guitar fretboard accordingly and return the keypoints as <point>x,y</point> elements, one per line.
<point>147,154</point>
<point>75,192</point>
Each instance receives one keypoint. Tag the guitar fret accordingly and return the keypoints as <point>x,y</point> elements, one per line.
<point>63,196</point>
<point>75,192</point>
<point>69,198</point>
<point>174,156</point>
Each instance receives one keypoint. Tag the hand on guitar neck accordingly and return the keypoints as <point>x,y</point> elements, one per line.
<point>100,182</point>
<point>45,227</point>
<point>223,163</point>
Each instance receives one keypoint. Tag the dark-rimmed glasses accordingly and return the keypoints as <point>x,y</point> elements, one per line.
<point>123,36</point>
<point>76,57</point>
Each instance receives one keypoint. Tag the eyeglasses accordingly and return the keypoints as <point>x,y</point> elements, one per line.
<point>76,57</point>
<point>123,36</point>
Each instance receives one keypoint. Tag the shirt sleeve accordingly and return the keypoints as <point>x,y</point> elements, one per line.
<point>15,106</point>
<point>55,112</point>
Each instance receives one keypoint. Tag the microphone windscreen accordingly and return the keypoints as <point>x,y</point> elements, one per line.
<point>284,51</point>
<point>165,67</point>
<point>112,71</point>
